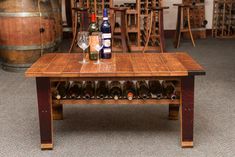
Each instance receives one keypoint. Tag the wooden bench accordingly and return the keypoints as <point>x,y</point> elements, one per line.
<point>125,66</point>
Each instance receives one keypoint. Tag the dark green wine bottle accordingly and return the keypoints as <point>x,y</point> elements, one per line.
<point>129,90</point>
<point>75,90</point>
<point>62,90</point>
<point>155,88</point>
<point>93,27</point>
<point>142,89</point>
<point>102,90</point>
<point>115,90</point>
<point>89,90</point>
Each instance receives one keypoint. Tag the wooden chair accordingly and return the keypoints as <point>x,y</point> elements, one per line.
<point>179,26</point>
<point>151,31</point>
<point>83,23</point>
<point>123,26</point>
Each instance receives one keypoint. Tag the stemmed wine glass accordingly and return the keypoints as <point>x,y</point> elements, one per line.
<point>83,43</point>
<point>97,45</point>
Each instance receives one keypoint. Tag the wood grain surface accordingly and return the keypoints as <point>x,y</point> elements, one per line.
<point>121,65</point>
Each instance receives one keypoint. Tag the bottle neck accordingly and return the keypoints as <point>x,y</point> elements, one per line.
<point>93,18</point>
<point>105,14</point>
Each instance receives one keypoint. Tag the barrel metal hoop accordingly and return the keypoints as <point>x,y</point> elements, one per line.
<point>24,14</point>
<point>25,48</point>
<point>15,67</point>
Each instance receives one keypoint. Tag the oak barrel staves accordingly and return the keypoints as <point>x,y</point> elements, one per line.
<point>21,42</point>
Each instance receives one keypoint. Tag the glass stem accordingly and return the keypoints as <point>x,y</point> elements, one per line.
<point>98,60</point>
<point>84,56</point>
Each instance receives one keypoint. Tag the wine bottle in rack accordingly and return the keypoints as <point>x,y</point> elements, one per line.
<point>89,89</point>
<point>54,91</point>
<point>115,90</point>
<point>155,88</point>
<point>102,90</point>
<point>129,90</point>
<point>75,90</point>
<point>106,52</point>
<point>62,90</point>
<point>169,89</point>
<point>142,89</point>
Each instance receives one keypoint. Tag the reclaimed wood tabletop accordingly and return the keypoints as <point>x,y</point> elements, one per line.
<point>120,65</point>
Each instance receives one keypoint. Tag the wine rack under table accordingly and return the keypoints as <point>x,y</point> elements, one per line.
<point>148,66</point>
<point>120,101</point>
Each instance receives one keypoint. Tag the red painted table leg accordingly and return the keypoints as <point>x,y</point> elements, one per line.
<point>187,111</point>
<point>45,112</point>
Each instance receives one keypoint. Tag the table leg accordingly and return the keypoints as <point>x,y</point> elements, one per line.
<point>45,111</point>
<point>57,111</point>
<point>173,112</point>
<point>187,111</point>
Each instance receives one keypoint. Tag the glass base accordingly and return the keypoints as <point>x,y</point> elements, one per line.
<point>83,62</point>
<point>98,62</point>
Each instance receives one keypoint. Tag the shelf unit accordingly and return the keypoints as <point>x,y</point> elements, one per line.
<point>223,19</point>
<point>147,4</point>
<point>197,18</point>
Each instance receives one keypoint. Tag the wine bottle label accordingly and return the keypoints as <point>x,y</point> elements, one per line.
<point>115,97</point>
<point>93,42</point>
<point>106,42</point>
<point>106,35</point>
<point>107,50</point>
<point>105,18</point>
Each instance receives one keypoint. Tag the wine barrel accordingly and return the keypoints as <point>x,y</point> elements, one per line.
<point>56,7</point>
<point>27,31</point>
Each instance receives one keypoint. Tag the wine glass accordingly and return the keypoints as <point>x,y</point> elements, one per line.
<point>83,43</point>
<point>97,45</point>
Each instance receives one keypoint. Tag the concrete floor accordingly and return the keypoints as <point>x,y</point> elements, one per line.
<point>121,130</point>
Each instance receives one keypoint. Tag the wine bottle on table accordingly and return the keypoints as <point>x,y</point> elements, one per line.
<point>75,90</point>
<point>106,52</point>
<point>155,88</point>
<point>89,89</point>
<point>102,90</point>
<point>115,89</point>
<point>62,90</point>
<point>129,90</point>
<point>93,28</point>
<point>143,90</point>
<point>169,89</point>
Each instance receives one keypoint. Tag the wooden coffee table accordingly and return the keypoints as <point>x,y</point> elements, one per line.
<point>135,66</point>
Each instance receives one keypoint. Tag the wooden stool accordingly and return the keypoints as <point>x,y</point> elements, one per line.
<point>124,36</point>
<point>179,26</point>
<point>84,23</point>
<point>151,31</point>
